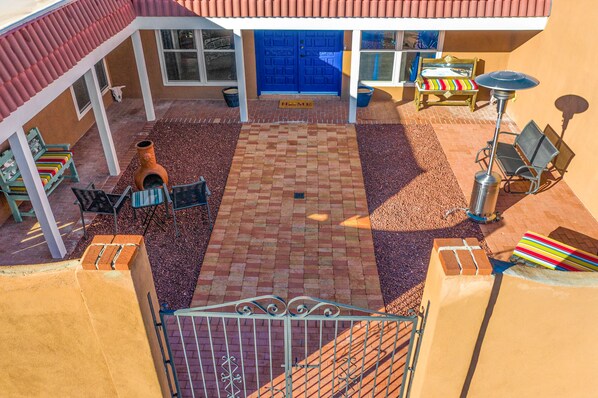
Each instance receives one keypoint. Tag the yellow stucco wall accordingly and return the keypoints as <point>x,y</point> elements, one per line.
<point>527,333</point>
<point>68,331</point>
<point>564,59</point>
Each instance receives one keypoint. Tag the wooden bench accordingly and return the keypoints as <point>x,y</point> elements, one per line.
<point>450,79</point>
<point>526,159</point>
<point>535,249</point>
<point>51,162</point>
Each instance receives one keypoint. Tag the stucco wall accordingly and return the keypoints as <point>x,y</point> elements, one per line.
<point>525,333</point>
<point>160,91</point>
<point>492,48</point>
<point>69,331</point>
<point>564,59</point>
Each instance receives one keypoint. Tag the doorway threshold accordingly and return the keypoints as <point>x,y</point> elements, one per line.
<point>307,96</point>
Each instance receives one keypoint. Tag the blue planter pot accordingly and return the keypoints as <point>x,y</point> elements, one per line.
<point>231,96</point>
<point>364,95</point>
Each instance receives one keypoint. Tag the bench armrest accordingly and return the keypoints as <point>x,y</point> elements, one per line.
<point>123,197</point>
<point>64,147</point>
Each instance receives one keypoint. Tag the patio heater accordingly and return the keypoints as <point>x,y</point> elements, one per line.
<point>482,205</point>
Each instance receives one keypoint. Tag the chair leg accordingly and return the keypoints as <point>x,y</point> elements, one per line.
<point>14,208</point>
<point>176,228</point>
<point>209,215</point>
<point>115,223</point>
<point>83,222</point>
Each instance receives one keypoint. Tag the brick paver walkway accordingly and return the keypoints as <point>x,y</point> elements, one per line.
<point>265,241</point>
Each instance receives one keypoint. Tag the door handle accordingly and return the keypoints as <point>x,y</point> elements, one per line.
<point>302,55</point>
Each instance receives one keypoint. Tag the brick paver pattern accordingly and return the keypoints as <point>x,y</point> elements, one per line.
<point>265,241</point>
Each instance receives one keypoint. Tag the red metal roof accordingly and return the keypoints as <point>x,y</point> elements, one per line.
<point>35,54</point>
<point>344,8</point>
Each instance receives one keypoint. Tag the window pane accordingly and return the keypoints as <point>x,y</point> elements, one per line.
<point>420,40</point>
<point>102,77</point>
<point>220,66</point>
<point>81,94</point>
<point>376,66</point>
<point>410,64</point>
<point>167,39</point>
<point>218,40</point>
<point>181,66</point>
<point>183,40</point>
<point>377,40</point>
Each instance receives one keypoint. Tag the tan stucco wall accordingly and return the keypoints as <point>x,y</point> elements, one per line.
<point>58,121</point>
<point>160,91</point>
<point>563,58</point>
<point>68,331</point>
<point>123,69</point>
<point>527,333</point>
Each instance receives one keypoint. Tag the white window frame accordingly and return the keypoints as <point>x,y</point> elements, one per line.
<point>201,61</point>
<point>398,58</point>
<point>83,112</point>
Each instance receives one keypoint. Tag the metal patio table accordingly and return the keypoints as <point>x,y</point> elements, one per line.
<point>149,200</point>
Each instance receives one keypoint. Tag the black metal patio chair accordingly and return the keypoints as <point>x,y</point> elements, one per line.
<point>187,196</point>
<point>92,200</point>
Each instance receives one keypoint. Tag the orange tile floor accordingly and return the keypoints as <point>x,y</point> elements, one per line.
<point>266,241</point>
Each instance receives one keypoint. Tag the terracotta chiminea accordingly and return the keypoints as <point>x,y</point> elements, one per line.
<point>149,174</point>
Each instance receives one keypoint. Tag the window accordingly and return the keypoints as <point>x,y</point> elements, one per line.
<point>392,58</point>
<point>197,57</point>
<point>80,93</point>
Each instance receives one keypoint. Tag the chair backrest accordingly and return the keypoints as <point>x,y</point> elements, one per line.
<point>189,195</point>
<point>544,154</point>
<point>93,200</point>
<point>9,171</point>
<point>529,140</point>
<point>37,145</point>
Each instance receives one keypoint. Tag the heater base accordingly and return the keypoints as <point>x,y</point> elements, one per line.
<point>494,217</point>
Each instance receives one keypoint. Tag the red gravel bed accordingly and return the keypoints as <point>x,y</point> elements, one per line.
<point>409,186</point>
<point>187,151</point>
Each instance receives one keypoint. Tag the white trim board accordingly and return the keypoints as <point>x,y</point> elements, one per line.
<point>276,23</point>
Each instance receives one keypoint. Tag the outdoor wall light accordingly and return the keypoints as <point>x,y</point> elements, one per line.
<point>482,205</point>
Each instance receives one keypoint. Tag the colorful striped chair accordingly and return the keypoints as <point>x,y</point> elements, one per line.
<point>51,162</point>
<point>536,249</point>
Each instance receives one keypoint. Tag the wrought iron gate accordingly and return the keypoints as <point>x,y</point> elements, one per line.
<point>266,347</point>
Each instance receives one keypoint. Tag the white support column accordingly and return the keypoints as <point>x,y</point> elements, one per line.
<point>354,77</point>
<point>240,64</point>
<point>146,92</point>
<point>35,190</point>
<point>97,104</point>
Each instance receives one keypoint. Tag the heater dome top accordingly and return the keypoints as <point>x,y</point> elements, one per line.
<point>506,80</point>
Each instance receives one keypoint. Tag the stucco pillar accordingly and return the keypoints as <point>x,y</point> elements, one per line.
<point>354,76</point>
<point>146,92</point>
<point>97,104</point>
<point>37,195</point>
<point>240,65</point>
<point>118,288</point>
<point>458,289</point>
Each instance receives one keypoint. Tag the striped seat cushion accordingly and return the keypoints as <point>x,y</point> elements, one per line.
<point>48,165</point>
<point>549,253</point>
<point>448,84</point>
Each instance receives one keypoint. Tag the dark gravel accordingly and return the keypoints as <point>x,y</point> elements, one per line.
<point>187,151</point>
<point>410,186</point>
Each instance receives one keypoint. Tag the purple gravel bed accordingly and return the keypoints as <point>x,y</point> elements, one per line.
<point>409,186</point>
<point>187,151</point>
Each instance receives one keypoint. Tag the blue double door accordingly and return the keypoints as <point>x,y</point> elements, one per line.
<point>299,61</point>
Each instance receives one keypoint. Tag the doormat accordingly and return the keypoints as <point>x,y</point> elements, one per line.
<point>295,104</point>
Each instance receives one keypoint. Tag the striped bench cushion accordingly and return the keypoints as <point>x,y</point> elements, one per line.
<point>449,85</point>
<point>549,253</point>
<point>48,165</point>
